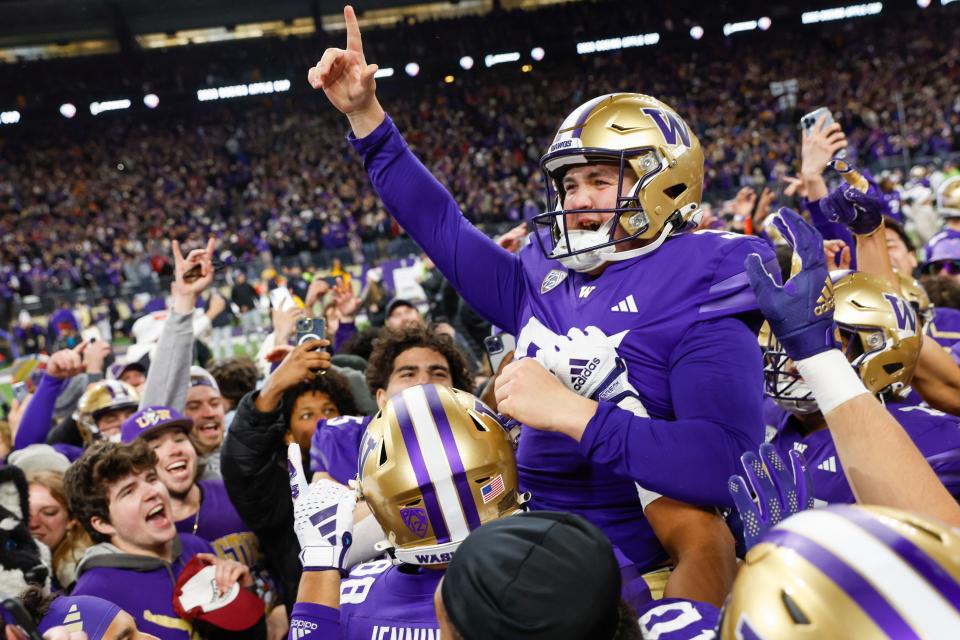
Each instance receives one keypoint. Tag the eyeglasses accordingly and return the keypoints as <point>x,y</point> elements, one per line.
<point>950,267</point>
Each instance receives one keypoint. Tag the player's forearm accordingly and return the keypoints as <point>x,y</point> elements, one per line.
<point>873,257</point>
<point>882,465</point>
<point>314,621</point>
<point>881,462</point>
<point>937,378</point>
<point>689,460</point>
<point>815,185</point>
<point>487,277</point>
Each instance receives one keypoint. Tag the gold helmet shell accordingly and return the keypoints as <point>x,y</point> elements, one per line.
<point>434,465</point>
<point>948,197</point>
<point>650,142</point>
<point>848,572</point>
<point>99,398</point>
<point>878,330</point>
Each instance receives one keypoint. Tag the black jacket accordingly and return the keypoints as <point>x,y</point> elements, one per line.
<point>253,462</point>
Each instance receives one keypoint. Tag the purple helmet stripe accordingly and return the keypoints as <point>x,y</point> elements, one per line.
<point>848,580</point>
<point>587,110</point>
<point>453,457</point>
<point>430,502</point>
<point>910,553</point>
<point>109,387</point>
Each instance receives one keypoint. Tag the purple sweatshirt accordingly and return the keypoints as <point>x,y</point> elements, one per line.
<point>671,315</point>
<point>140,585</point>
<point>38,418</point>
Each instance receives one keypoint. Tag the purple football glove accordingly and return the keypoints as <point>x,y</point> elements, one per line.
<point>800,312</point>
<point>780,493</point>
<point>861,212</point>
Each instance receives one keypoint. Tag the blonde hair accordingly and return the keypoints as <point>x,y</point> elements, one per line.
<point>69,552</point>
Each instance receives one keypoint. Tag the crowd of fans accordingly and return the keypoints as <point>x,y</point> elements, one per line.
<point>273,178</point>
<point>310,435</point>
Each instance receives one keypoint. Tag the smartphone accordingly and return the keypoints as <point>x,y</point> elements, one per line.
<point>20,390</point>
<point>311,329</point>
<point>280,299</point>
<point>14,611</point>
<point>498,347</point>
<point>809,121</point>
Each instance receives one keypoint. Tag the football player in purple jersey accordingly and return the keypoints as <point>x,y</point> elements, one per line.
<point>401,358</point>
<point>635,337</point>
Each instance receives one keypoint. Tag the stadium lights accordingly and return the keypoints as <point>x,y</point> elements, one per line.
<point>763,24</point>
<point>412,69</point>
<point>9,117</point>
<point>696,32</point>
<point>527,68</point>
<point>384,73</point>
<point>67,110</point>
<point>614,44</point>
<point>537,53</point>
<point>841,13</point>
<point>466,63</point>
<point>923,4</point>
<point>946,2</point>
<point>96,108</point>
<point>151,100</point>
<point>243,90</point>
<point>448,79</point>
<point>500,58</point>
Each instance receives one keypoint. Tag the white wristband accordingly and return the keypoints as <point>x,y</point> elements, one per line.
<point>831,379</point>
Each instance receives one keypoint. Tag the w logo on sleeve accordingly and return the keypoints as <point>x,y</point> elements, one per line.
<point>906,317</point>
<point>671,126</point>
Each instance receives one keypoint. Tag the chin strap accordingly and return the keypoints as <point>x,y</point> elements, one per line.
<point>668,229</point>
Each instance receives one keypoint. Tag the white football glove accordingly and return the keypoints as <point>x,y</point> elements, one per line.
<point>589,366</point>
<point>322,517</point>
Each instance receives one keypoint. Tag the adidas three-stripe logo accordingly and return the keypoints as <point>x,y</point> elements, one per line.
<point>326,523</point>
<point>628,304</point>
<point>830,464</point>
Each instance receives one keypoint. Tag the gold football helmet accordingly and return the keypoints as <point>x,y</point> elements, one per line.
<point>848,572</point>
<point>948,198</point>
<point>99,398</point>
<point>917,296</point>
<point>649,142</point>
<point>878,330</point>
<point>434,465</point>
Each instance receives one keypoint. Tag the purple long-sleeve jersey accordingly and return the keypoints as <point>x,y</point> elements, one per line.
<point>335,446</point>
<point>671,316</point>
<point>936,434</point>
<point>945,327</point>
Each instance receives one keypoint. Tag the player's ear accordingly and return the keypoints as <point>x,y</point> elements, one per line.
<point>381,397</point>
<point>102,526</point>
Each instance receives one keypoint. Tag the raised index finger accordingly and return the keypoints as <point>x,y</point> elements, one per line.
<point>354,43</point>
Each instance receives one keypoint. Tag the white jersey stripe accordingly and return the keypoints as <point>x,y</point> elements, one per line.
<point>435,459</point>
<point>921,606</point>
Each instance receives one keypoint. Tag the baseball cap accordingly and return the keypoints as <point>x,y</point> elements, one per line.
<point>200,377</point>
<point>946,249</point>
<point>152,419</point>
<point>80,613</point>
<point>399,302</point>
<point>117,369</point>
<point>39,457</point>
<point>195,597</point>
<point>539,574</point>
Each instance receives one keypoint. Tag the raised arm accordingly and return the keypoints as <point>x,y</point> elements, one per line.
<point>37,419</point>
<point>882,464</point>
<point>169,373</point>
<point>488,277</point>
